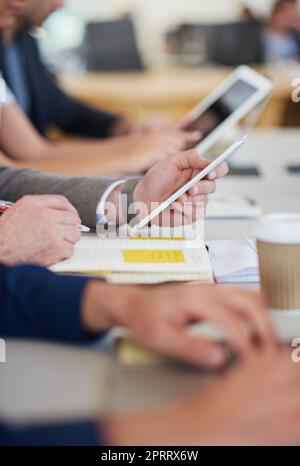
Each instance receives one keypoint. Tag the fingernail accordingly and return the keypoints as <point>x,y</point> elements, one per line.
<point>213,176</point>
<point>215,357</point>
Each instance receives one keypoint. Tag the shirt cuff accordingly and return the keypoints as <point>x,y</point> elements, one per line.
<point>100,212</point>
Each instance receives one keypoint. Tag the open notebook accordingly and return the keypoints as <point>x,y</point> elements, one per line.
<point>139,260</point>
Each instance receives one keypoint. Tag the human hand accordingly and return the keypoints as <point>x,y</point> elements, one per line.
<point>158,319</point>
<point>166,177</point>
<point>39,230</point>
<point>153,146</point>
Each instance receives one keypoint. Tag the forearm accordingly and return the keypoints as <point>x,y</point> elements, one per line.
<point>84,193</point>
<point>16,127</point>
<point>38,304</point>
<point>77,157</point>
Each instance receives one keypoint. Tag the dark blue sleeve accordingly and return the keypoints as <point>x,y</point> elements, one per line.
<point>65,112</point>
<point>75,118</point>
<point>35,303</point>
<point>77,434</point>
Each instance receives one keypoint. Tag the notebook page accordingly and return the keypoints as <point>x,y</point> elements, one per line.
<point>149,256</point>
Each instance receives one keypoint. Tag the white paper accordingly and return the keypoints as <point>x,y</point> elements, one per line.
<point>231,207</point>
<point>234,261</point>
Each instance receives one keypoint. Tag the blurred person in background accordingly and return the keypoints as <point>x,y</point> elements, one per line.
<point>281,38</point>
<point>41,104</point>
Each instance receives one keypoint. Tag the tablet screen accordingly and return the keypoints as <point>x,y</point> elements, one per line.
<point>222,108</point>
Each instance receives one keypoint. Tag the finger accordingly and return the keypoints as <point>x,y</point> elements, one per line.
<point>178,344</point>
<point>64,217</point>
<point>201,199</point>
<point>219,172</point>
<point>190,160</point>
<point>203,187</point>
<point>192,136</point>
<point>176,146</point>
<point>184,123</point>
<point>68,250</point>
<point>56,202</point>
<point>250,306</point>
<point>221,314</point>
<point>222,170</point>
<point>183,199</point>
<point>212,176</point>
<point>70,234</point>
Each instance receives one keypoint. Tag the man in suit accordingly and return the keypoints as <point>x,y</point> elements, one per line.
<point>258,402</point>
<point>39,95</point>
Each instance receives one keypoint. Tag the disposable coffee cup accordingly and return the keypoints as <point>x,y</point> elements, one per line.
<point>278,244</point>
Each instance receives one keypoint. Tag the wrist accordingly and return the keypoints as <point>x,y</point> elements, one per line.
<point>122,198</point>
<point>6,253</point>
<point>121,127</point>
<point>105,306</point>
<point>114,199</point>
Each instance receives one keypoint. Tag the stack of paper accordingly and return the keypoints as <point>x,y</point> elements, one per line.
<point>234,261</point>
<point>140,260</point>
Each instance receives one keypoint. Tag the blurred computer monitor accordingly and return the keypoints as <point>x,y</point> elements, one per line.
<point>229,44</point>
<point>112,46</point>
<point>234,44</point>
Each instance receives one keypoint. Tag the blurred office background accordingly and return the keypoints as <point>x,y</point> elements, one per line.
<point>139,36</point>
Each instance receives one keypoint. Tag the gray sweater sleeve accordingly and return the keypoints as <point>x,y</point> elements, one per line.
<point>83,192</point>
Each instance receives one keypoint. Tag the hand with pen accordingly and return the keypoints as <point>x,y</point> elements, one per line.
<point>39,230</point>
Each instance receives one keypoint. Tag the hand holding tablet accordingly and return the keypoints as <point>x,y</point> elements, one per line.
<point>232,101</point>
<point>173,174</point>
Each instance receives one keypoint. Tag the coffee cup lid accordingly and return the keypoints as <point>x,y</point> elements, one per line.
<point>279,228</point>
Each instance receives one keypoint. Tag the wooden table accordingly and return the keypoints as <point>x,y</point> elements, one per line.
<point>169,92</point>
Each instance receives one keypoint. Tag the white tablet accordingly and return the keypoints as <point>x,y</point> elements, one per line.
<point>240,93</point>
<point>206,171</point>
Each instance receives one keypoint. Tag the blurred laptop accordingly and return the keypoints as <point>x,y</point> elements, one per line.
<point>112,46</point>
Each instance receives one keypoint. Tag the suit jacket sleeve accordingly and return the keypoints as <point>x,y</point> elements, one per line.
<point>84,193</point>
<point>77,434</point>
<point>37,304</point>
<point>62,110</point>
<point>75,118</point>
